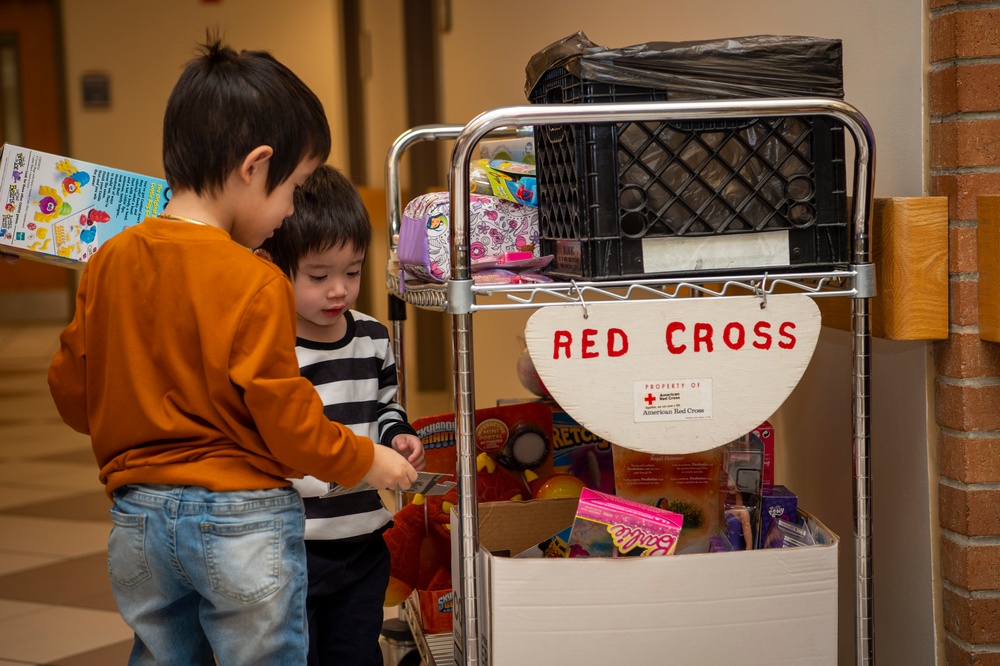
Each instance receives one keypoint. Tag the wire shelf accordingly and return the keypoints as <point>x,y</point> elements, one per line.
<point>520,296</point>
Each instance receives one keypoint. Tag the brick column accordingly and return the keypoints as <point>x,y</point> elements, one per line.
<point>964,96</point>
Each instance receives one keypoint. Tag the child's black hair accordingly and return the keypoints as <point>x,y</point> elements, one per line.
<point>224,105</point>
<point>329,212</point>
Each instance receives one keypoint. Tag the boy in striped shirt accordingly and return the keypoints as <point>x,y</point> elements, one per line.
<point>348,357</point>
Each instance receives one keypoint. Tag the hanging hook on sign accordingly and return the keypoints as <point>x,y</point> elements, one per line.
<point>762,291</point>
<point>579,298</point>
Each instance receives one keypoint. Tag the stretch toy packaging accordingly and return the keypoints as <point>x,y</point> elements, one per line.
<point>510,440</point>
<point>609,526</point>
<point>60,210</point>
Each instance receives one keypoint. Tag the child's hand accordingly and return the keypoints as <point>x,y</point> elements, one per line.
<point>390,470</point>
<point>411,448</point>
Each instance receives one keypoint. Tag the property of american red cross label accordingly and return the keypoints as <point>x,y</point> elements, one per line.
<point>673,400</point>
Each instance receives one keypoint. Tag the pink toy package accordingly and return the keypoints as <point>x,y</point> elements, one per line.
<point>610,526</point>
<point>497,227</point>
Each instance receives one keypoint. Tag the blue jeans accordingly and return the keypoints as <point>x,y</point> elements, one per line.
<point>198,573</point>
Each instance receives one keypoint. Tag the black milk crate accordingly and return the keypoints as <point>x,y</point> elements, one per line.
<point>637,199</point>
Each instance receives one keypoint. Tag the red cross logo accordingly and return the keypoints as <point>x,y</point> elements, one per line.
<point>650,399</point>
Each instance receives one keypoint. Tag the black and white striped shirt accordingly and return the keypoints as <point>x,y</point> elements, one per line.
<point>356,379</point>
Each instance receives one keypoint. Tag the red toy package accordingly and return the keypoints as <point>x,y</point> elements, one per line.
<point>514,457</point>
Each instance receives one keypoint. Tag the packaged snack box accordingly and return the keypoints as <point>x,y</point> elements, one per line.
<point>60,210</point>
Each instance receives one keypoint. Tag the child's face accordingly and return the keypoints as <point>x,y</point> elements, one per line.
<point>264,211</point>
<point>327,285</point>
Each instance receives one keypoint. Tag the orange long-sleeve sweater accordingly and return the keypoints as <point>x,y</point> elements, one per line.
<point>180,365</point>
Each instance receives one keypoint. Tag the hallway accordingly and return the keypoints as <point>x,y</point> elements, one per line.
<point>56,606</point>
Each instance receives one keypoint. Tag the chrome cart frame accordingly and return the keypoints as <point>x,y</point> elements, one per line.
<point>458,298</point>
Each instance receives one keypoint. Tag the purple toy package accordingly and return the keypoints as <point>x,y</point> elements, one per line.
<point>775,502</point>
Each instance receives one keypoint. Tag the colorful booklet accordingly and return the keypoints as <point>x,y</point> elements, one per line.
<point>60,210</point>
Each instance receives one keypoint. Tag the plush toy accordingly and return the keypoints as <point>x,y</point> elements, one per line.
<point>420,539</point>
<point>420,546</point>
<point>495,483</point>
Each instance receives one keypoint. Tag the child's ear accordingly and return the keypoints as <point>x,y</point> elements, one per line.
<point>254,162</point>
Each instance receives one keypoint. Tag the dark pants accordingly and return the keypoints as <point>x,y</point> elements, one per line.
<point>347,582</point>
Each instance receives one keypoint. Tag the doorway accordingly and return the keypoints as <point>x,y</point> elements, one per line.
<point>33,114</point>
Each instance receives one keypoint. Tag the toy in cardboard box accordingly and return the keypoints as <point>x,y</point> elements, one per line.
<point>513,444</point>
<point>747,474</point>
<point>684,483</point>
<point>576,451</point>
<point>520,148</point>
<point>610,526</point>
<point>581,453</point>
<point>60,210</point>
<point>507,179</point>
<point>776,502</point>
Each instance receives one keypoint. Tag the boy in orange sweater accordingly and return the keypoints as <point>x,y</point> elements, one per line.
<point>180,364</point>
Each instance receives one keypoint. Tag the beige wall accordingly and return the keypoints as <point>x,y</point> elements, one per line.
<point>144,45</point>
<point>482,59</point>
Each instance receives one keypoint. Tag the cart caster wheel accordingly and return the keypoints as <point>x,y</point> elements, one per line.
<point>398,646</point>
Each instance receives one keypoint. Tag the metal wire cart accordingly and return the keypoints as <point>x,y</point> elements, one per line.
<point>460,298</point>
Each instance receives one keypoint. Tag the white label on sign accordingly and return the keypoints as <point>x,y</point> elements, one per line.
<point>673,400</point>
<point>699,253</point>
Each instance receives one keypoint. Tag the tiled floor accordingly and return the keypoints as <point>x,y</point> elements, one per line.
<point>55,599</point>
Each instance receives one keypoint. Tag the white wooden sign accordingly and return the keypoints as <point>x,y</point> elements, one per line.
<point>675,376</point>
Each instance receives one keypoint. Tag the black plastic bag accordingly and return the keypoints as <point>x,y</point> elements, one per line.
<point>754,66</point>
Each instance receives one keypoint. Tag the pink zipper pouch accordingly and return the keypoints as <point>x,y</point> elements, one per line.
<point>497,227</point>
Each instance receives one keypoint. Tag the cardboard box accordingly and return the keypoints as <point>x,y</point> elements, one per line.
<point>60,210</point>
<point>708,608</point>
